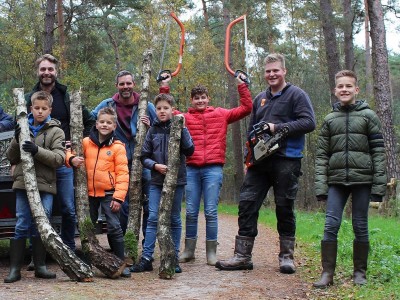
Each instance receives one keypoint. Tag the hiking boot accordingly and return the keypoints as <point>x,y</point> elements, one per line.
<point>145,265</point>
<point>241,259</point>
<point>286,263</point>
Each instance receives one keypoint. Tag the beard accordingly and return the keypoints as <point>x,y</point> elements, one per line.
<point>125,94</point>
<point>47,80</point>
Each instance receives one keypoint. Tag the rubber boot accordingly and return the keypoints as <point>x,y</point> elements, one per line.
<point>31,266</point>
<point>109,239</point>
<point>211,252</point>
<point>119,250</point>
<point>286,263</point>
<point>188,254</point>
<point>360,260</point>
<point>17,252</point>
<point>39,259</point>
<point>241,259</point>
<point>328,261</point>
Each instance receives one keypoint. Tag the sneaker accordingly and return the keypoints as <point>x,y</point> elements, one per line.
<point>143,266</point>
<point>178,269</point>
<point>126,273</point>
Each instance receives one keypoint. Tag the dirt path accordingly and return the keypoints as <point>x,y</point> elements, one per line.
<point>198,281</point>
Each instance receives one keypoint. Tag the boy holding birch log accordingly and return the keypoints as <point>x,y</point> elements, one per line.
<point>47,149</point>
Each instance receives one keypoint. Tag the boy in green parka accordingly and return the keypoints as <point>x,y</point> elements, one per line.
<point>350,160</point>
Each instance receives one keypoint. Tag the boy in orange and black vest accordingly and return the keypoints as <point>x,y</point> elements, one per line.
<point>107,176</point>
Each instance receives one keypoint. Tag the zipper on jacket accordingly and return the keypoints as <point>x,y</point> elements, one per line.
<point>111,180</point>
<point>44,138</point>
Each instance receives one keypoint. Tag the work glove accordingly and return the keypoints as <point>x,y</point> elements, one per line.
<point>376,198</point>
<point>31,147</point>
<point>17,131</point>
<point>322,197</point>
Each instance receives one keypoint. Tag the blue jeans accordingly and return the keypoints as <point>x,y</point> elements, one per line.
<point>176,223</point>
<point>66,200</point>
<point>337,198</point>
<point>25,226</point>
<point>206,181</point>
<point>124,211</point>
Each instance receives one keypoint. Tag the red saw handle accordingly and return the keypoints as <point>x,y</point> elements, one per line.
<point>227,43</point>
<point>178,68</point>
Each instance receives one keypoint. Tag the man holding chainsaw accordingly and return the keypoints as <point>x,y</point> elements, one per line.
<point>281,116</point>
<point>208,127</point>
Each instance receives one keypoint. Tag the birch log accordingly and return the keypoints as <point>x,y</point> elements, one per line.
<point>135,180</point>
<point>168,259</point>
<point>75,268</point>
<point>106,262</point>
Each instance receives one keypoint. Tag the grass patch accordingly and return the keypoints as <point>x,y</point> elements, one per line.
<point>383,262</point>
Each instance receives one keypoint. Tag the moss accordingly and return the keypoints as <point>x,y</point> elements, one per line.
<point>167,273</point>
<point>131,245</point>
<point>85,229</point>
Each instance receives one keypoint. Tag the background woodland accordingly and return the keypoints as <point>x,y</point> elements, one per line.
<point>96,39</point>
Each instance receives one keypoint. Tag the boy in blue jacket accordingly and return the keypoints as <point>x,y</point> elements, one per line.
<point>154,156</point>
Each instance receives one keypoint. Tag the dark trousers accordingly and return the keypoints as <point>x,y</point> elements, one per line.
<point>281,174</point>
<point>124,213</point>
<point>337,199</point>
<point>112,218</point>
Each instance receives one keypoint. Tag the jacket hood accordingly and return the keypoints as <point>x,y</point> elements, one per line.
<point>94,137</point>
<point>359,105</point>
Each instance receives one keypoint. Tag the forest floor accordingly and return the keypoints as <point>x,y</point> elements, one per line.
<point>197,281</point>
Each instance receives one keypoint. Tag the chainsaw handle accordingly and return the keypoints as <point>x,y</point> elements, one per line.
<point>161,78</point>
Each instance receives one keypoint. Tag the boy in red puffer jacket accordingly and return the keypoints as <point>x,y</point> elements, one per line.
<point>208,127</point>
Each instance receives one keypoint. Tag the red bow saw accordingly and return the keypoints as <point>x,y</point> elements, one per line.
<point>227,50</point>
<point>182,43</point>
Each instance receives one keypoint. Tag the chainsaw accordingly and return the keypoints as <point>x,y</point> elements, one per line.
<point>262,143</point>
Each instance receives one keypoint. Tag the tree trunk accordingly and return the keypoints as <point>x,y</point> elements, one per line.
<point>60,21</point>
<point>65,257</point>
<point>48,40</point>
<point>348,34</point>
<point>382,92</point>
<point>331,49</point>
<point>205,15</point>
<point>270,22</point>
<point>106,262</point>
<point>236,130</point>
<point>368,71</point>
<point>167,250</point>
<point>135,180</point>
